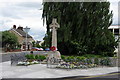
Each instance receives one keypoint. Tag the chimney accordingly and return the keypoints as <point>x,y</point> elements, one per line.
<point>14,26</point>
<point>20,28</point>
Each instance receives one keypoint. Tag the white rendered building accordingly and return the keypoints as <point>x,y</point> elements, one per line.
<point>116,31</point>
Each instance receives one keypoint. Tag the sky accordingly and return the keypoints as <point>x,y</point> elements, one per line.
<point>29,13</point>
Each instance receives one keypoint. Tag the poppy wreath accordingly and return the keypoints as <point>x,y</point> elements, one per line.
<point>53,48</point>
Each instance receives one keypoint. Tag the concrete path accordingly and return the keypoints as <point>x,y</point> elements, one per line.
<point>41,71</point>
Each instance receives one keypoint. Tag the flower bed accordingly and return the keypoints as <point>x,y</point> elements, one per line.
<point>75,66</point>
<point>77,62</point>
<point>31,59</point>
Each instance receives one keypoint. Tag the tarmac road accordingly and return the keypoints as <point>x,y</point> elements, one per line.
<point>111,76</point>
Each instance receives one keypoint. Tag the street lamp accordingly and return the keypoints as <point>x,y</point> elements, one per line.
<point>26,31</point>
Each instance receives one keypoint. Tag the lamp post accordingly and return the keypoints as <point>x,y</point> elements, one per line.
<point>26,31</point>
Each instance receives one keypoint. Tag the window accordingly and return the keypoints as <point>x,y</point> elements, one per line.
<point>111,30</point>
<point>116,31</point>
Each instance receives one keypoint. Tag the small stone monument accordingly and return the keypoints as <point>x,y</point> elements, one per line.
<point>54,26</point>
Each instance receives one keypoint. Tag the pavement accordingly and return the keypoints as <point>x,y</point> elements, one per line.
<point>41,71</point>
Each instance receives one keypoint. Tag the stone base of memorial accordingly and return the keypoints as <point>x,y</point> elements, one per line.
<point>52,55</point>
<point>55,54</point>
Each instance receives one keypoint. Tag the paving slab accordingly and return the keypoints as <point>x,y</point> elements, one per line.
<point>41,71</point>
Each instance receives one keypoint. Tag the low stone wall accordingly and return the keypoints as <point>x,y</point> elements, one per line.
<point>114,61</point>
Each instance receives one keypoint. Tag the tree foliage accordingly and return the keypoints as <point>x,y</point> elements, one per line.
<point>83,27</point>
<point>9,40</point>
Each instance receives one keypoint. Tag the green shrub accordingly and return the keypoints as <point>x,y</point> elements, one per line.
<point>68,58</point>
<point>36,56</point>
<point>27,56</point>
<point>63,57</point>
<point>42,57</point>
<point>88,61</point>
<point>96,61</point>
<point>80,58</point>
<point>105,62</point>
<point>107,54</point>
<point>91,56</point>
<point>32,56</point>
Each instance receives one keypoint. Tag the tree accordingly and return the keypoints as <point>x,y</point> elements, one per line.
<point>9,40</point>
<point>33,43</point>
<point>83,27</point>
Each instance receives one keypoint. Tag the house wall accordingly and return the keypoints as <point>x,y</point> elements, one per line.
<point>22,40</point>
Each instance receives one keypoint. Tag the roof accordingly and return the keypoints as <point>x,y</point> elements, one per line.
<point>38,42</point>
<point>22,33</point>
<point>114,27</point>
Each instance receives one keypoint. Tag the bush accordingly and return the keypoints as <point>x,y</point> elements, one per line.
<point>96,61</point>
<point>36,56</point>
<point>105,62</point>
<point>63,57</point>
<point>107,54</point>
<point>79,58</point>
<point>92,56</point>
<point>42,57</point>
<point>31,56</point>
<point>88,61</point>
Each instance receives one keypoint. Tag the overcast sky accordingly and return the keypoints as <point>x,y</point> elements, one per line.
<point>28,13</point>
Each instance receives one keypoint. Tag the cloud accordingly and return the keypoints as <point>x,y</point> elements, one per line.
<point>114,8</point>
<point>30,5</point>
<point>12,1</point>
<point>119,13</point>
<point>24,14</point>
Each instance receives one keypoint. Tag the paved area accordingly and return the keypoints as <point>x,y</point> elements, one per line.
<point>41,71</point>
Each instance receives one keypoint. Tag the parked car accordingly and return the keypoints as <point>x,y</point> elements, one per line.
<point>47,49</point>
<point>38,49</point>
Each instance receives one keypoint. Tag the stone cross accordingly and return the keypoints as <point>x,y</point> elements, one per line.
<point>54,26</point>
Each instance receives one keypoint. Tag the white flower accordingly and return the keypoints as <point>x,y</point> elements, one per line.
<point>20,62</point>
<point>35,62</point>
<point>24,62</point>
<point>28,62</point>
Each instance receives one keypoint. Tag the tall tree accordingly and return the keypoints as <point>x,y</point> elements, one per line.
<point>83,26</point>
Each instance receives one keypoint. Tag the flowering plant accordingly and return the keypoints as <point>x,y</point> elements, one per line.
<point>27,63</point>
<point>53,48</point>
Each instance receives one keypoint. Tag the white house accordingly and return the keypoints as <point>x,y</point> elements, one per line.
<point>116,31</point>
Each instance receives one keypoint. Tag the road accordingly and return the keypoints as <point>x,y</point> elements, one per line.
<point>111,76</point>
<point>6,56</point>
